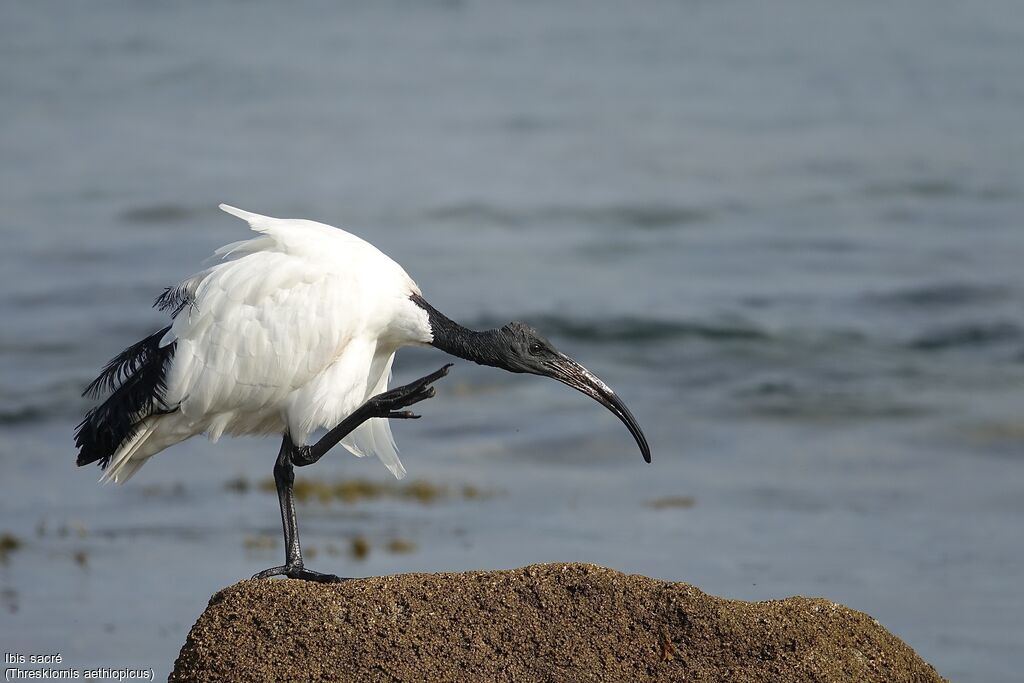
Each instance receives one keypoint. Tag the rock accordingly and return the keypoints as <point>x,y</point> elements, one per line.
<point>554,622</point>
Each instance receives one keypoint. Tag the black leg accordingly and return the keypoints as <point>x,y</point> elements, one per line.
<point>388,404</point>
<point>284,478</point>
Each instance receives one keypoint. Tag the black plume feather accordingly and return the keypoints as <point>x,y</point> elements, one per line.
<point>175,299</point>
<point>124,365</point>
<point>136,379</point>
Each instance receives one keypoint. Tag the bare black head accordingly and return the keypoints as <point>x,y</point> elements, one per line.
<point>524,349</point>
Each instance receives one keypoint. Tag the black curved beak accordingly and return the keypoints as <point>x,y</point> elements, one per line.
<point>569,372</point>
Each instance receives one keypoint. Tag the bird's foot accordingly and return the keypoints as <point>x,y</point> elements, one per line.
<point>390,403</point>
<point>297,571</point>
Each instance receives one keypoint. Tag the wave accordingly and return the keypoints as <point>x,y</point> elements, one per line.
<point>821,401</point>
<point>967,335</point>
<point>15,415</point>
<point>60,398</point>
<point>161,214</point>
<point>651,216</point>
<point>936,188</point>
<point>941,294</point>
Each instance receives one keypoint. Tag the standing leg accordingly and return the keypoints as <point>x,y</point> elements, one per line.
<point>284,478</point>
<point>387,404</point>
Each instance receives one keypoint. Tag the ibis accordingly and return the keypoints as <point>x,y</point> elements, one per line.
<point>291,332</point>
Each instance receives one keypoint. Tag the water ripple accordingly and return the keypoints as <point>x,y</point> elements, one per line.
<point>651,216</point>
<point>941,294</point>
<point>967,335</point>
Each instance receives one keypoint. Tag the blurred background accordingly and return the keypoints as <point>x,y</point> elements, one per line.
<point>789,234</point>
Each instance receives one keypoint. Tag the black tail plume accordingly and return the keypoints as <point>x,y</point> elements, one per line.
<point>136,379</point>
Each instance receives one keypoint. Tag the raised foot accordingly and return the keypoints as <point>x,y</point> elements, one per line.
<point>390,403</point>
<point>298,572</point>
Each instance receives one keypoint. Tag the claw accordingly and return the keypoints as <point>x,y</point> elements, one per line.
<point>388,403</point>
<point>437,374</point>
<point>299,572</point>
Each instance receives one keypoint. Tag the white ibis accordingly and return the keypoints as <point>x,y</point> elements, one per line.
<point>295,331</point>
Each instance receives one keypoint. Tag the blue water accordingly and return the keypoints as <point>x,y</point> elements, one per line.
<point>789,234</point>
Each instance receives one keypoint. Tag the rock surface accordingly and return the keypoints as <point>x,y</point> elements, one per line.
<point>555,622</point>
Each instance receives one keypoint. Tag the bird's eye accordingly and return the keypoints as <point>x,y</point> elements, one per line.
<point>535,348</point>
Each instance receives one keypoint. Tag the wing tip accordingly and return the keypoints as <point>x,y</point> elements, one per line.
<point>235,211</point>
<point>397,469</point>
<point>258,222</point>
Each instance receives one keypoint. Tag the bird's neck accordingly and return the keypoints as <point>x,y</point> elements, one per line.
<point>481,347</point>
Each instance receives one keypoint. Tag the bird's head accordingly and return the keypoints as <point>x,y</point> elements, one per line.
<point>523,349</point>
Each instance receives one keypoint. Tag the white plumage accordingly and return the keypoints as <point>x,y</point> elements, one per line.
<point>291,332</point>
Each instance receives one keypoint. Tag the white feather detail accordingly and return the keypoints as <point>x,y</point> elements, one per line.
<point>217,426</point>
<point>168,338</point>
<point>122,466</point>
<point>374,436</point>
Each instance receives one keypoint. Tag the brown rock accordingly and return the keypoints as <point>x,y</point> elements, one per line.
<point>554,622</point>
